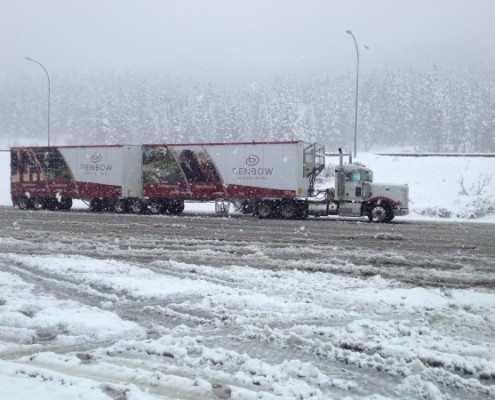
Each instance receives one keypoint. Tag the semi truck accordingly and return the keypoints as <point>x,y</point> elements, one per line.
<point>267,179</point>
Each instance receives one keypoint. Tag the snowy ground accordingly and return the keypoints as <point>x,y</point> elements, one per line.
<point>128,313</point>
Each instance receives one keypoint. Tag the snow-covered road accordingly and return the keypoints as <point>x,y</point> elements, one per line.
<point>196,307</point>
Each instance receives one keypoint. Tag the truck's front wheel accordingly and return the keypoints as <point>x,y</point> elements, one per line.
<point>380,212</point>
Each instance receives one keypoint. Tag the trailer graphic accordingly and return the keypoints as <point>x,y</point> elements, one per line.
<point>267,179</point>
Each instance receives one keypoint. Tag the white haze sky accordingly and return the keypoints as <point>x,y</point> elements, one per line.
<point>233,38</point>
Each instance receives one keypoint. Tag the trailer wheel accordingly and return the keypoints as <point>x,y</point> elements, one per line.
<point>380,212</point>
<point>96,205</point>
<point>39,203</point>
<point>246,207</point>
<point>175,207</point>
<point>52,204</point>
<point>288,209</point>
<point>120,206</point>
<point>65,203</point>
<point>136,206</point>
<point>25,203</point>
<point>156,207</point>
<point>264,209</point>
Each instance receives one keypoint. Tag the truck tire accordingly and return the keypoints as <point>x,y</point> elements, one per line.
<point>264,209</point>
<point>52,204</point>
<point>96,205</point>
<point>136,206</point>
<point>65,203</point>
<point>39,203</point>
<point>175,207</point>
<point>157,207</point>
<point>120,206</point>
<point>25,203</point>
<point>246,207</point>
<point>380,212</point>
<point>287,209</point>
<point>302,211</point>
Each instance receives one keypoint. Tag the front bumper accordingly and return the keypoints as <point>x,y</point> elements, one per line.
<point>400,212</point>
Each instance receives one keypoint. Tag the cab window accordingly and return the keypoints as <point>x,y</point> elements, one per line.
<point>367,176</point>
<point>353,176</point>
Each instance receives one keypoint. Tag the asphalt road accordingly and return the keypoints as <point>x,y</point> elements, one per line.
<point>441,254</point>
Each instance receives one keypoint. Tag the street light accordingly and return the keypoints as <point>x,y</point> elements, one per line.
<point>48,77</point>
<point>357,92</point>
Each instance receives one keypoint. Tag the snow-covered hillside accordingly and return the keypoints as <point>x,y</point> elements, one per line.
<point>436,184</point>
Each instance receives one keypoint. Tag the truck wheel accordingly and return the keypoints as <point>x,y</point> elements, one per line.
<point>136,206</point>
<point>120,206</point>
<point>96,205</point>
<point>52,204</point>
<point>246,207</point>
<point>25,203</point>
<point>39,203</point>
<point>302,211</point>
<point>288,209</point>
<point>156,207</point>
<point>264,209</point>
<point>65,203</point>
<point>380,213</point>
<point>176,207</point>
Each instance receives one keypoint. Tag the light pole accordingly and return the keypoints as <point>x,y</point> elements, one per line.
<point>48,77</point>
<point>357,92</point>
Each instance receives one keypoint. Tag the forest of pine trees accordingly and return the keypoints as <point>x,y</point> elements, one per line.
<point>430,110</point>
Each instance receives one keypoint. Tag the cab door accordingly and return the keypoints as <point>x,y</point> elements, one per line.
<point>353,186</point>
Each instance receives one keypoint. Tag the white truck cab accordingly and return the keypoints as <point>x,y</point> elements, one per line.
<point>357,195</point>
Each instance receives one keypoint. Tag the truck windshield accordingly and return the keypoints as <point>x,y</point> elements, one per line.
<point>353,176</point>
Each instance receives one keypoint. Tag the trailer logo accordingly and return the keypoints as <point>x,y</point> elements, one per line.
<point>252,160</point>
<point>96,158</point>
<point>253,170</point>
<point>96,167</point>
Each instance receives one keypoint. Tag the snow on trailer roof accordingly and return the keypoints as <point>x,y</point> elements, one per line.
<point>164,144</point>
<point>226,143</point>
<point>72,147</point>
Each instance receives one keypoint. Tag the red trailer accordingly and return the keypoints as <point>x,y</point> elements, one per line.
<point>51,177</point>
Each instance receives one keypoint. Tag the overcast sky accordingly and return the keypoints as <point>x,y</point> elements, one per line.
<point>205,38</point>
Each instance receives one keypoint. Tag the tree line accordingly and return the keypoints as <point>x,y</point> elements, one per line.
<point>433,109</point>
